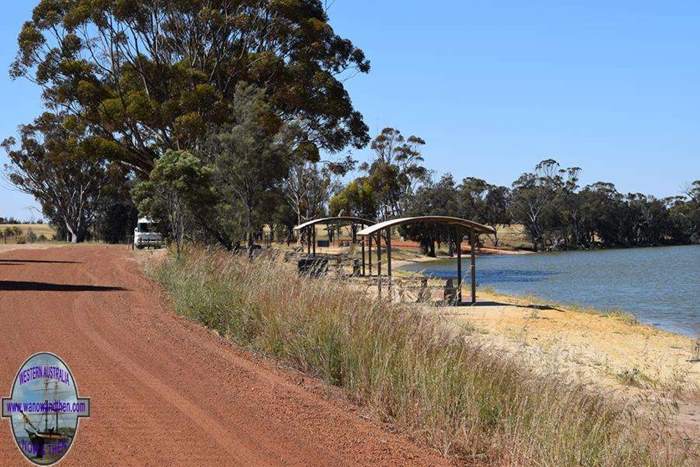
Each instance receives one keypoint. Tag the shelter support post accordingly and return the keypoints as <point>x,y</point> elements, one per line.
<point>388,258</point>
<point>308,241</point>
<point>379,262</point>
<point>458,241</point>
<point>313,235</point>
<point>472,265</point>
<point>369,251</point>
<point>363,256</point>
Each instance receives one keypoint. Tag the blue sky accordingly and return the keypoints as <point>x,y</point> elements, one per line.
<point>495,87</point>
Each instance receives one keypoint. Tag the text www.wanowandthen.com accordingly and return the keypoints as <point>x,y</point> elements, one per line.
<point>47,406</point>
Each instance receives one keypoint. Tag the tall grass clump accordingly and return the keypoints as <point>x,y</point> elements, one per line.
<point>409,369</point>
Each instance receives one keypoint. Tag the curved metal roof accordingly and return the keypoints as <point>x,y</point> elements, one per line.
<point>339,219</point>
<point>448,220</point>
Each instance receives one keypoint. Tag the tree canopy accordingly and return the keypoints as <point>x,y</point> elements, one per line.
<point>147,76</point>
<point>391,177</point>
<point>53,163</point>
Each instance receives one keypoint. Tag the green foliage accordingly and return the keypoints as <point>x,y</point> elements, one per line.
<point>250,158</point>
<point>390,179</point>
<point>309,186</point>
<point>179,182</point>
<point>54,164</point>
<point>356,199</point>
<point>440,199</point>
<point>117,213</point>
<point>472,199</point>
<point>148,77</point>
<point>232,184</point>
<point>396,170</point>
<point>558,214</point>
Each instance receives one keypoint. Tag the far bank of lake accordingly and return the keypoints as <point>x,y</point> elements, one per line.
<point>660,286</point>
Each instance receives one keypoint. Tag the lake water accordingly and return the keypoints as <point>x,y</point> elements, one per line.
<point>661,286</point>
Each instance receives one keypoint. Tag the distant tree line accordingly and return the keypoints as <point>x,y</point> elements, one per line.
<point>213,118</point>
<point>13,220</point>
<point>555,211</point>
<point>559,214</point>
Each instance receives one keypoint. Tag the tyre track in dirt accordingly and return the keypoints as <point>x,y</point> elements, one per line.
<point>165,390</point>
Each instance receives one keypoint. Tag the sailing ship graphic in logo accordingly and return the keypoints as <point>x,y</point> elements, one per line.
<point>44,408</point>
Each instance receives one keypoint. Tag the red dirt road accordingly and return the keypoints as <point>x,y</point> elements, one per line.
<point>165,391</point>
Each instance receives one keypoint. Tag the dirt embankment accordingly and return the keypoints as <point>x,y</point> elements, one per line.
<point>165,390</point>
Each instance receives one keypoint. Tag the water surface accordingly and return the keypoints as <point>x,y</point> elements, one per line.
<point>661,286</point>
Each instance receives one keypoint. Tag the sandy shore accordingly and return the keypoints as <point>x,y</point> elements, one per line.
<point>611,353</point>
<point>610,349</point>
<point>603,347</point>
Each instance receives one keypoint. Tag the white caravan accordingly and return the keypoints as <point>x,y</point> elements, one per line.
<point>145,234</point>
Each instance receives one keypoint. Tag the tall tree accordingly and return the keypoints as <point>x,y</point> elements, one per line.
<point>54,164</point>
<point>440,198</point>
<point>116,212</point>
<point>250,159</point>
<point>495,212</point>
<point>543,199</point>
<point>396,170</point>
<point>179,185</point>
<point>147,76</point>
<point>309,186</point>
<point>357,199</point>
<point>532,196</point>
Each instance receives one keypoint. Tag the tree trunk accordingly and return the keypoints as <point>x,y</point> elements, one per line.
<point>72,234</point>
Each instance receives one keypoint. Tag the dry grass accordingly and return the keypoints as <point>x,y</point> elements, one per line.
<point>410,370</point>
<point>510,236</point>
<point>38,229</point>
<point>696,351</point>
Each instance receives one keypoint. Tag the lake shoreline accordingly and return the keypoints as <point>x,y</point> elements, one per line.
<point>610,350</point>
<point>655,285</point>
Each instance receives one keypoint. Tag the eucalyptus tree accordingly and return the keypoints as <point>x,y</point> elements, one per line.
<point>148,76</point>
<point>495,211</point>
<point>310,186</point>
<point>55,164</point>
<point>547,203</point>
<point>395,171</point>
<point>250,159</point>
<point>441,198</point>
<point>533,194</point>
<point>357,198</point>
